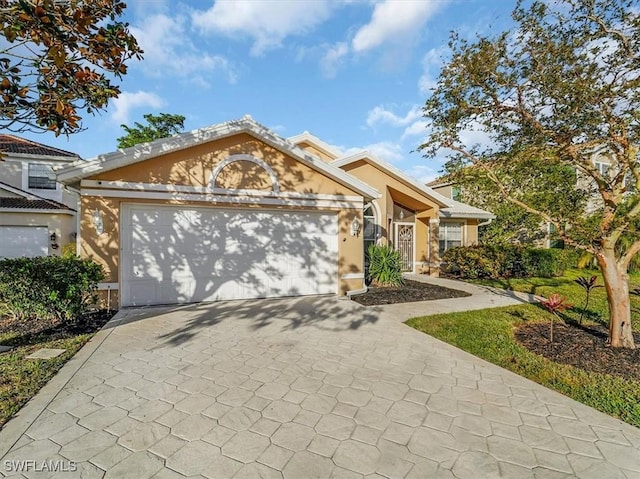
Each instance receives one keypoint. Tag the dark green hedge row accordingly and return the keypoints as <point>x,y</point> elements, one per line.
<point>49,286</point>
<point>510,261</point>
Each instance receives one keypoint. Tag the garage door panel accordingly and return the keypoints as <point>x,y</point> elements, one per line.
<point>206,254</point>
<point>18,241</point>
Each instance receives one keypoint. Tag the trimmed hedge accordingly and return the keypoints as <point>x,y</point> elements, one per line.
<point>49,286</point>
<point>507,261</point>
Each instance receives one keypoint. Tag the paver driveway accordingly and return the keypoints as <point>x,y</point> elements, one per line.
<point>314,387</point>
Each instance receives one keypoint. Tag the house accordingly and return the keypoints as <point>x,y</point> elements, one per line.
<point>37,216</point>
<point>235,211</point>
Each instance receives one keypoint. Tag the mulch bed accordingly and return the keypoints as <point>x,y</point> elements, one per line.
<point>582,347</point>
<point>32,331</point>
<point>410,292</point>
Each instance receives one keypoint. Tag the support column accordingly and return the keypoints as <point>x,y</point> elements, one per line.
<point>434,246</point>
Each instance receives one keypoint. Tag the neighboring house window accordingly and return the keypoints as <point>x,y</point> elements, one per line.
<point>450,236</point>
<point>41,177</point>
<point>602,167</point>
<point>455,193</point>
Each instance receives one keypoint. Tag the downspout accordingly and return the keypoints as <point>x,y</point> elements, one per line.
<point>355,292</point>
<point>76,192</point>
<point>485,223</point>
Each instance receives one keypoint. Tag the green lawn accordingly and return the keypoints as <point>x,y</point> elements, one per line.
<point>598,310</point>
<point>20,378</point>
<point>489,334</point>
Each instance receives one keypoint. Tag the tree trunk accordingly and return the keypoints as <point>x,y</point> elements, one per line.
<point>616,282</point>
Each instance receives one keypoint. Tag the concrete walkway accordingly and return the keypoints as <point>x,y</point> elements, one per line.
<point>482,297</point>
<point>306,388</point>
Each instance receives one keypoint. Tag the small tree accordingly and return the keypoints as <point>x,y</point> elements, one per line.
<point>555,304</point>
<point>561,88</point>
<point>56,58</point>
<point>158,126</point>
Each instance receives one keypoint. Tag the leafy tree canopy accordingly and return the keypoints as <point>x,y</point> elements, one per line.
<point>559,91</point>
<point>158,126</point>
<point>59,58</point>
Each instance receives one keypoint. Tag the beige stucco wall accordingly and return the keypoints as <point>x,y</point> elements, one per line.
<point>471,232</point>
<point>315,151</point>
<point>444,190</point>
<point>193,167</point>
<point>391,190</point>
<point>64,226</point>
<point>11,173</point>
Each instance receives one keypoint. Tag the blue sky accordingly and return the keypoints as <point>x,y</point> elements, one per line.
<point>352,72</point>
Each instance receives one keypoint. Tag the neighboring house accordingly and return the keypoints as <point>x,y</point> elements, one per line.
<point>235,211</point>
<point>544,236</point>
<point>37,217</point>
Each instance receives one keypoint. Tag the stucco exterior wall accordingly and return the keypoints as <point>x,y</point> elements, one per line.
<point>193,167</point>
<point>471,232</point>
<point>315,151</point>
<point>11,173</point>
<point>64,226</point>
<point>394,190</point>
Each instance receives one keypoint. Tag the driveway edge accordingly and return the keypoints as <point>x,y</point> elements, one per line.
<point>18,424</point>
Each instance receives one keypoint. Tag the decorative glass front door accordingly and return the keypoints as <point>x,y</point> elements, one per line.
<point>404,244</point>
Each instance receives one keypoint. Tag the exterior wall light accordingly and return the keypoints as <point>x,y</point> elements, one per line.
<point>98,223</point>
<point>355,227</point>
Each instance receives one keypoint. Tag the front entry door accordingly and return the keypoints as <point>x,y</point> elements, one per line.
<point>404,236</point>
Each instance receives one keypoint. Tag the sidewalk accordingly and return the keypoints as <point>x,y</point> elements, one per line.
<point>482,297</point>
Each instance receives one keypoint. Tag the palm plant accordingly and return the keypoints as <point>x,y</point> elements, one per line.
<point>385,266</point>
<point>588,285</point>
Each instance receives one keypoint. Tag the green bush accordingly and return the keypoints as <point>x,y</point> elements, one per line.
<point>507,261</point>
<point>49,286</point>
<point>385,265</point>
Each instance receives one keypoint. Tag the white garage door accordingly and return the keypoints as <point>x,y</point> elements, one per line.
<point>17,241</point>
<point>177,255</point>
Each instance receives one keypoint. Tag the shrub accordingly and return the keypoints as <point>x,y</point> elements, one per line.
<point>471,262</point>
<point>385,265</point>
<point>507,261</point>
<point>49,286</point>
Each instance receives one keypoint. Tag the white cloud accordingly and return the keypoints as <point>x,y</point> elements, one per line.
<point>128,101</point>
<point>423,173</point>
<point>332,59</point>
<point>417,128</point>
<point>394,21</point>
<point>267,22</point>
<point>432,63</point>
<point>168,49</point>
<point>381,115</point>
<point>387,150</point>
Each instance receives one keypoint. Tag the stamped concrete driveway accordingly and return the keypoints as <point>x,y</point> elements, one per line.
<point>306,388</point>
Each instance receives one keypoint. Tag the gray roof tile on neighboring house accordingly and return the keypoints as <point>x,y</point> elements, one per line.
<point>26,203</point>
<point>29,200</point>
<point>13,144</point>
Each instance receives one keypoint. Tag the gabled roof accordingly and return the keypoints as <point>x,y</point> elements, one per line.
<point>448,208</point>
<point>393,172</point>
<point>13,145</point>
<point>29,201</point>
<point>456,209</point>
<point>17,191</point>
<point>328,149</point>
<point>117,159</point>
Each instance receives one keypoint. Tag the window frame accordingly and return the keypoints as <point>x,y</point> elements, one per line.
<point>47,180</point>
<point>444,231</point>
